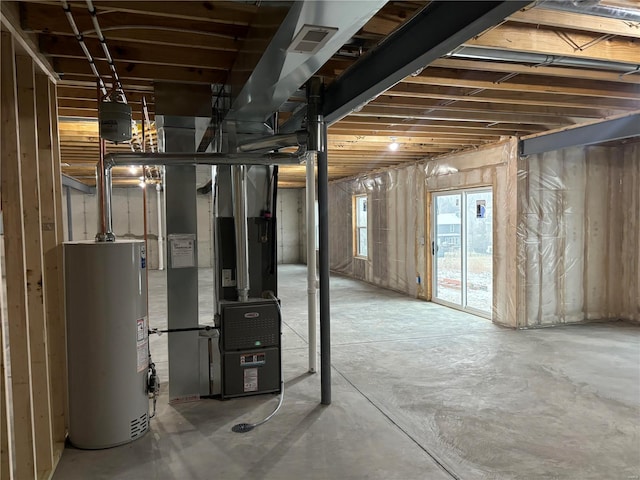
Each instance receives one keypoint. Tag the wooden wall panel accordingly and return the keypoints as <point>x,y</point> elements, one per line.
<point>21,444</point>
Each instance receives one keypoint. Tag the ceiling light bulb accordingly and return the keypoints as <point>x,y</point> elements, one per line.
<point>393,146</point>
<point>133,169</point>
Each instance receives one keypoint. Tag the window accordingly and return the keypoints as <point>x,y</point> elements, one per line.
<point>360,203</point>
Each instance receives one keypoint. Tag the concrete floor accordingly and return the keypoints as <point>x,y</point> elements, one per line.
<point>420,391</point>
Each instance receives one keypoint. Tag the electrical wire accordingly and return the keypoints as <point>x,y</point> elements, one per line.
<point>83,46</point>
<point>103,41</point>
<point>247,427</point>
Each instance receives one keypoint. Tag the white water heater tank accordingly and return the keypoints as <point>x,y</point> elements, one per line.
<point>107,342</point>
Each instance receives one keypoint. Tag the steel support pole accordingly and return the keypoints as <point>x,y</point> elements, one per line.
<point>318,142</point>
<point>311,260</point>
<point>325,314</point>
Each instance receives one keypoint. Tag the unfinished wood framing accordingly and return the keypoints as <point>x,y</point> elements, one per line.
<point>50,249</point>
<point>21,445</point>
<point>36,300</point>
<point>483,99</point>
<point>5,467</point>
<point>31,204</point>
<point>56,323</point>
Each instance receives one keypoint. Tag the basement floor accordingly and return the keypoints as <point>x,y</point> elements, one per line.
<point>420,391</point>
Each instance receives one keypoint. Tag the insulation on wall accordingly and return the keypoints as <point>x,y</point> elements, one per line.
<point>579,235</point>
<point>399,233</point>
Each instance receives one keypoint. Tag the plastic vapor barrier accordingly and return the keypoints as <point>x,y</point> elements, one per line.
<point>566,229</point>
<point>579,235</point>
<point>399,236</point>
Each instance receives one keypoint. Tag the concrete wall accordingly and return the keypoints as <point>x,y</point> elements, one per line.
<point>128,221</point>
<point>290,224</point>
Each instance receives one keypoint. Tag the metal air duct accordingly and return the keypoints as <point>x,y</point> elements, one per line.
<point>480,53</point>
<point>591,8</point>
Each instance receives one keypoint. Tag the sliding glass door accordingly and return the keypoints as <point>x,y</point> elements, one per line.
<point>462,249</point>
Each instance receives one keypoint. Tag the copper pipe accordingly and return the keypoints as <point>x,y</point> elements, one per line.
<point>100,180</point>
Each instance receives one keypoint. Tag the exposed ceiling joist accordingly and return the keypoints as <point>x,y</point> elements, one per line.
<point>546,40</point>
<point>575,21</point>
<point>409,49</point>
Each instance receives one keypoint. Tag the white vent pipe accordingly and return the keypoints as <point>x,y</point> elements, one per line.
<point>312,284</point>
<point>239,194</point>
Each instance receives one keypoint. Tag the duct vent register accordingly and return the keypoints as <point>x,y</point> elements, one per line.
<point>311,38</point>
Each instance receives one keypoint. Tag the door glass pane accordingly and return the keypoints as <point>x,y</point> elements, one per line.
<point>479,249</point>
<point>448,259</point>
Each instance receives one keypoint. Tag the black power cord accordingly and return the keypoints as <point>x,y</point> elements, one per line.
<point>247,427</point>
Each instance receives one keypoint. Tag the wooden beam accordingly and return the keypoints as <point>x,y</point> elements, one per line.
<point>407,149</point>
<point>10,20</point>
<point>5,459</point>
<point>36,299</point>
<point>52,267</point>
<point>79,69</point>
<point>461,105</point>
<point>384,140</point>
<point>67,92</point>
<point>124,52</point>
<point>509,97</point>
<point>575,21</point>
<point>418,135</point>
<point>89,113</point>
<point>426,125</point>
<point>541,70</point>
<point>92,104</point>
<point>42,18</point>
<point>396,129</point>
<point>527,38</point>
<point>524,83</point>
<point>145,35</point>
<point>21,444</point>
<point>459,116</point>
<point>215,12</point>
<point>58,350</point>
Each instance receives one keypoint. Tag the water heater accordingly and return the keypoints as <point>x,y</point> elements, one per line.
<point>107,342</point>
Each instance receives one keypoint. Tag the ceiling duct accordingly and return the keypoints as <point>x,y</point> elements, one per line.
<point>311,38</point>
<point>306,37</point>
<point>590,7</point>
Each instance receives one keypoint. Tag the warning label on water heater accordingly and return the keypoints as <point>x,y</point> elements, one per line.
<point>250,379</point>
<point>142,344</point>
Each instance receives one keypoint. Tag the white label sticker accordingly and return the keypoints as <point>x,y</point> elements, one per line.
<point>142,344</point>
<point>183,252</point>
<point>250,379</point>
